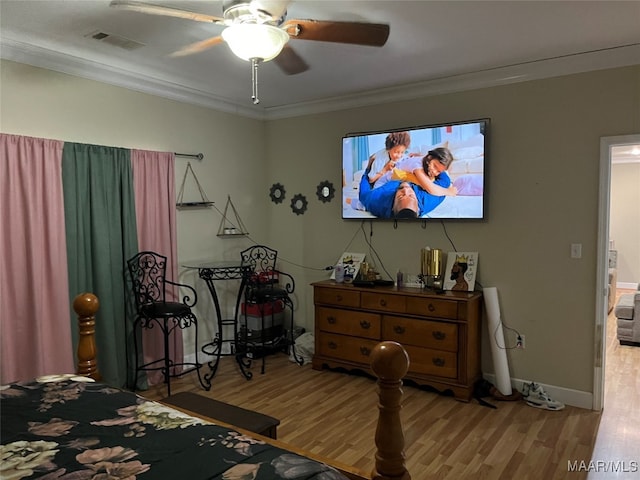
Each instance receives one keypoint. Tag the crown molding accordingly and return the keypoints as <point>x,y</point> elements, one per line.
<point>50,59</point>
<point>622,56</point>
<point>39,56</point>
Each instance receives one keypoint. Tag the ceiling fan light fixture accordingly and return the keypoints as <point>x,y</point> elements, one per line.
<point>253,40</point>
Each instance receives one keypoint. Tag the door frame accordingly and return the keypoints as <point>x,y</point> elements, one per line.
<point>602,267</point>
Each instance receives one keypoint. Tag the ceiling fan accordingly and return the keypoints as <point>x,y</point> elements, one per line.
<point>258,31</point>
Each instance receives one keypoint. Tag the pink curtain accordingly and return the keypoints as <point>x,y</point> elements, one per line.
<point>155,192</point>
<point>34,292</point>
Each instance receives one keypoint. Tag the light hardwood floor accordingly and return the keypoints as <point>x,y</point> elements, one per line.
<point>334,415</point>
<point>618,437</point>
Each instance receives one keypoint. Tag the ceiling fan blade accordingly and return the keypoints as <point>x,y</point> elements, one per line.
<point>370,34</point>
<point>290,62</point>
<point>197,47</point>
<point>164,11</point>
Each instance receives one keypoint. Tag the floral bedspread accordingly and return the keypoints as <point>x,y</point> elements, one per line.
<point>68,429</point>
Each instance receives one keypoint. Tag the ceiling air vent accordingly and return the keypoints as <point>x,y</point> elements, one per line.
<point>115,40</point>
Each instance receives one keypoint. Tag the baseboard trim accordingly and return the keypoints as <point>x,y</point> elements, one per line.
<point>568,396</point>
<point>192,358</point>
<point>629,285</point>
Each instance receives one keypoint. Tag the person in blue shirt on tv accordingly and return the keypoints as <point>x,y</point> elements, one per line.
<point>403,199</point>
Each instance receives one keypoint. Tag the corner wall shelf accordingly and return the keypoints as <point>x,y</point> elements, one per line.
<point>228,228</point>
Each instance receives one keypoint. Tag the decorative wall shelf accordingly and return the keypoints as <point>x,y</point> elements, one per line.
<point>232,235</point>
<point>193,205</point>
<point>229,228</point>
<point>203,203</point>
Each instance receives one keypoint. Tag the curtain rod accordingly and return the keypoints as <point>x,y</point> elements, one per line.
<point>199,156</point>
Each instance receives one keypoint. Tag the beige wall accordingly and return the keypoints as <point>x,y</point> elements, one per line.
<point>624,225</point>
<point>542,173</point>
<point>42,103</point>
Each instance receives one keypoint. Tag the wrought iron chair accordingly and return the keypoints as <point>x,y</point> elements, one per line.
<point>265,306</point>
<point>149,284</point>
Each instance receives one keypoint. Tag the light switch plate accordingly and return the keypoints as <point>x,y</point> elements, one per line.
<point>576,250</point>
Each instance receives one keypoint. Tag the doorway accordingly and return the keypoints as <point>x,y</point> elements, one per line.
<point>606,148</point>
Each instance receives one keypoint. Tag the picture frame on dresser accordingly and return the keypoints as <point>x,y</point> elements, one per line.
<point>351,263</point>
<point>460,272</point>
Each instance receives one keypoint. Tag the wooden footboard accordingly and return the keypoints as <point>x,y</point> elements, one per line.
<point>389,361</point>
<point>86,305</point>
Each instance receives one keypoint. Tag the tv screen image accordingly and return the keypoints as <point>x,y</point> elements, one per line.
<point>435,171</point>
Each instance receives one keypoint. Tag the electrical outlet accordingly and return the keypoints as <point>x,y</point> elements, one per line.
<point>520,342</point>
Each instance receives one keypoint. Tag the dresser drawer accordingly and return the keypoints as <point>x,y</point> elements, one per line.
<point>349,322</point>
<point>343,347</point>
<point>333,296</point>
<point>383,302</point>
<point>432,362</point>
<point>421,333</point>
<point>431,307</point>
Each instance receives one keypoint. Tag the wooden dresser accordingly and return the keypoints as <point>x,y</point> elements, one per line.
<point>441,332</point>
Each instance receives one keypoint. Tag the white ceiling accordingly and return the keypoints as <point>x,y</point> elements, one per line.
<point>433,47</point>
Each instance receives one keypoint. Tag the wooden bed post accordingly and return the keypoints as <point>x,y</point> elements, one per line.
<point>390,362</point>
<point>86,305</point>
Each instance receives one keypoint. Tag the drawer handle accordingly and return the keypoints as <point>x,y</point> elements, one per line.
<point>383,302</point>
<point>365,351</point>
<point>438,362</point>
<point>431,308</point>
<point>398,329</point>
<point>438,335</point>
<point>333,345</point>
<point>331,320</point>
<point>338,298</point>
<point>364,324</point>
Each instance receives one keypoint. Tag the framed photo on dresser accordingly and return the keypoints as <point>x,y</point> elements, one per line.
<point>351,262</point>
<point>460,272</point>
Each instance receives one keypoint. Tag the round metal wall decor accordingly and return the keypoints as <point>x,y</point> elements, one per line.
<point>299,204</point>
<point>277,193</point>
<point>325,191</point>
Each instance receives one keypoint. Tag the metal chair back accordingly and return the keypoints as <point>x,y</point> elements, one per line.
<point>148,276</point>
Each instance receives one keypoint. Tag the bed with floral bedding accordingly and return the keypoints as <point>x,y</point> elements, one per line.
<point>67,428</point>
<point>72,427</point>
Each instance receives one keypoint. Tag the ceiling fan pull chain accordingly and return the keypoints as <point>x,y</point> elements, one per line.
<point>254,80</point>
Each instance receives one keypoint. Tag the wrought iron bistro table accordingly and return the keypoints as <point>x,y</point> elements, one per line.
<point>223,270</point>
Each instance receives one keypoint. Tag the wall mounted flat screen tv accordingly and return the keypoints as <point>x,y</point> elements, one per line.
<point>435,171</point>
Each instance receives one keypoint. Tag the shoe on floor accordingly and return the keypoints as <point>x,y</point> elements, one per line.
<point>536,397</point>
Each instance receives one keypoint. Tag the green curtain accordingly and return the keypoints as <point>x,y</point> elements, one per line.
<point>101,235</point>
